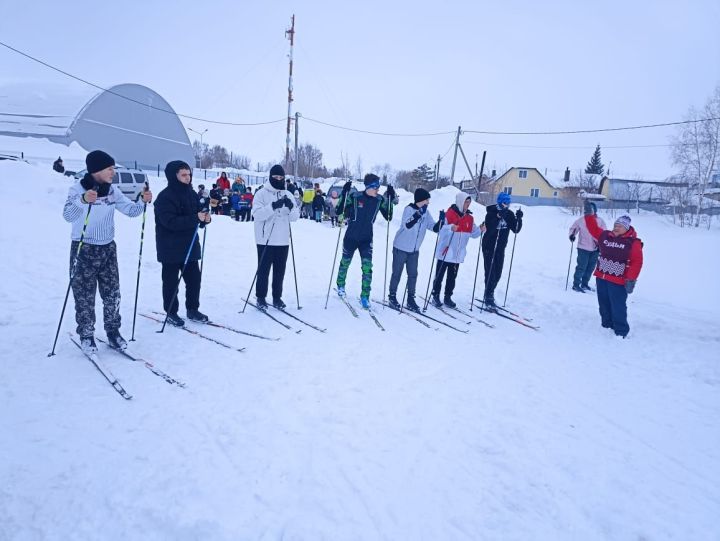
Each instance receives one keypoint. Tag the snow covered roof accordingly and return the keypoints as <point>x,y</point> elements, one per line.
<point>576,181</point>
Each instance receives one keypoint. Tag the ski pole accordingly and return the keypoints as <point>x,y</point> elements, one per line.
<point>182,272</point>
<point>204,207</point>
<point>572,242</point>
<point>512,255</point>
<point>262,258</point>
<point>292,253</point>
<point>137,283</point>
<point>72,275</point>
<point>332,270</point>
<point>477,266</point>
<point>432,264</point>
<point>387,245</point>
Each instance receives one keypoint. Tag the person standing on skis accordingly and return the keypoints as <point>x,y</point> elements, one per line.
<point>458,229</point>
<point>360,210</point>
<point>499,221</point>
<point>587,249</point>
<point>416,220</point>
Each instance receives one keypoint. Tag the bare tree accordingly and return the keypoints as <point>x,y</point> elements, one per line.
<point>696,147</point>
<point>359,168</point>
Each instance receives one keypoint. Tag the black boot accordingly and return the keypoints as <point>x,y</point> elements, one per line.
<point>279,304</point>
<point>116,341</point>
<point>393,302</point>
<point>175,320</point>
<point>87,344</point>
<point>262,303</point>
<point>435,300</point>
<point>197,315</point>
<point>449,302</point>
<point>411,305</point>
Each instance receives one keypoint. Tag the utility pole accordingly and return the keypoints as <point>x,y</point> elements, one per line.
<point>295,165</point>
<point>457,145</point>
<point>437,172</point>
<point>290,34</point>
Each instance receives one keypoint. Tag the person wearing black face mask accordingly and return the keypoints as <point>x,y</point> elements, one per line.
<point>273,209</point>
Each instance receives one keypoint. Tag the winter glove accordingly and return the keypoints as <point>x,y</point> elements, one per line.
<point>442,217</point>
<point>390,193</point>
<point>423,209</point>
<point>347,187</point>
<point>572,238</point>
<point>630,286</point>
<point>519,214</point>
<point>278,204</point>
<point>286,201</point>
<point>587,208</point>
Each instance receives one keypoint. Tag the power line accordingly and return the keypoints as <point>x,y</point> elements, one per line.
<point>387,134</point>
<point>209,121</point>
<point>377,132</point>
<point>564,147</point>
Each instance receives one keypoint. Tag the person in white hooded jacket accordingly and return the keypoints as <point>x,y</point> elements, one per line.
<point>273,209</point>
<point>453,238</point>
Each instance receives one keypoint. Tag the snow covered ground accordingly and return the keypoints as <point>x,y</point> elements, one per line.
<point>506,433</point>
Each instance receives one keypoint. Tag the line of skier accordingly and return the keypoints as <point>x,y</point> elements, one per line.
<point>180,213</point>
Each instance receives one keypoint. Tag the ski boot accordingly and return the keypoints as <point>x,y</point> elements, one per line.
<point>175,320</point>
<point>578,289</point>
<point>197,315</point>
<point>87,344</point>
<point>116,341</point>
<point>262,303</point>
<point>279,304</point>
<point>393,302</point>
<point>412,305</point>
<point>449,302</point>
<point>435,300</point>
<point>490,301</point>
<point>365,303</point>
<point>341,291</point>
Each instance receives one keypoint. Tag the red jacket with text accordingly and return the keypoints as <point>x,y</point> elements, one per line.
<point>621,257</point>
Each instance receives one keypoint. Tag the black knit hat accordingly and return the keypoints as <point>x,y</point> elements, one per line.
<point>277,170</point>
<point>421,195</point>
<point>98,160</point>
<point>371,180</point>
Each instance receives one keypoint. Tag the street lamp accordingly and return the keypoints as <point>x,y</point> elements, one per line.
<point>201,142</point>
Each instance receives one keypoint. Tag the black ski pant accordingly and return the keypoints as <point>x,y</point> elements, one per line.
<point>452,271</point>
<point>612,302</point>
<point>408,260</point>
<point>274,257</point>
<point>96,268</point>
<point>493,268</point>
<point>170,277</point>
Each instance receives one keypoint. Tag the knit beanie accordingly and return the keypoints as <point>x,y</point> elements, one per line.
<point>277,170</point>
<point>421,195</point>
<point>624,221</point>
<point>98,160</point>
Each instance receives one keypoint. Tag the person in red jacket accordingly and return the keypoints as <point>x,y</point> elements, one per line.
<point>223,182</point>
<point>617,270</point>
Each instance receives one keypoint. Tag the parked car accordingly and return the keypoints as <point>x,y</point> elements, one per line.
<point>131,181</point>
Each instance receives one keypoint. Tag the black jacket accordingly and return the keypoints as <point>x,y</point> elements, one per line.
<point>176,210</point>
<point>499,223</point>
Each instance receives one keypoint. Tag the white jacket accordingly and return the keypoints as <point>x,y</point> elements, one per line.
<point>268,220</point>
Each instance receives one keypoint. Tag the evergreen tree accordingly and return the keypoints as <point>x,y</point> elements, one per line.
<point>595,165</point>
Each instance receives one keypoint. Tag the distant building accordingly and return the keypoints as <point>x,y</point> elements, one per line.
<point>131,122</point>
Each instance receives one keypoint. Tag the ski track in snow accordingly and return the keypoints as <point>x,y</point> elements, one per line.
<point>415,433</point>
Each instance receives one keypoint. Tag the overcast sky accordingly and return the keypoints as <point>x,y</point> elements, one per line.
<point>396,67</point>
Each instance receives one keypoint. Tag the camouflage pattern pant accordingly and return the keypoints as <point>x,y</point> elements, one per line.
<point>365,249</point>
<point>96,268</point>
